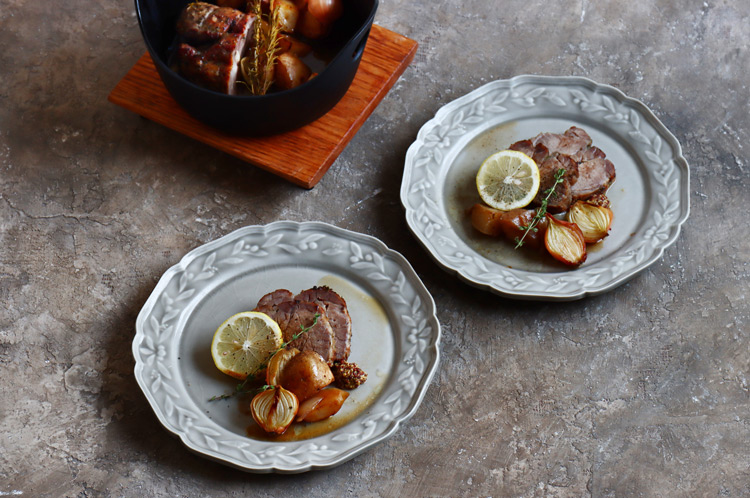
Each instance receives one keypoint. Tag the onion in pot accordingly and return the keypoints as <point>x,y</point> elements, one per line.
<point>293,46</point>
<point>310,27</point>
<point>326,11</point>
<point>288,14</point>
<point>290,71</point>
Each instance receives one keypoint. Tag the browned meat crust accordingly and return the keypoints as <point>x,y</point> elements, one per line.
<point>595,177</point>
<point>293,316</point>
<point>561,198</point>
<point>201,23</point>
<point>587,171</point>
<point>337,314</point>
<point>571,143</point>
<point>538,152</point>
<point>215,39</point>
<point>331,337</point>
<point>272,300</point>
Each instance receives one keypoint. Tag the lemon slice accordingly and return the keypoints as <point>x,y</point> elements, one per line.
<point>508,180</point>
<point>244,342</point>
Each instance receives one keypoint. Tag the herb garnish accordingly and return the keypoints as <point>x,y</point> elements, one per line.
<point>241,387</point>
<point>259,64</point>
<point>542,208</point>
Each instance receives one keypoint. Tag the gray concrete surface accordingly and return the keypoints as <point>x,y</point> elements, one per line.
<point>640,392</point>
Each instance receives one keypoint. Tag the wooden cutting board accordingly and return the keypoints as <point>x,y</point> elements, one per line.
<point>301,156</point>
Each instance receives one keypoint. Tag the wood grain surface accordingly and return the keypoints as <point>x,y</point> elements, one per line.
<point>301,156</point>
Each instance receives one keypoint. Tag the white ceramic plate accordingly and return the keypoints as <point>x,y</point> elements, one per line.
<point>394,339</point>
<point>650,197</point>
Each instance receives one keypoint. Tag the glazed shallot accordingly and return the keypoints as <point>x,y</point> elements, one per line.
<point>274,409</point>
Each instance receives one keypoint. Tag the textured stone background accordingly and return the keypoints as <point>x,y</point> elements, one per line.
<point>640,392</point>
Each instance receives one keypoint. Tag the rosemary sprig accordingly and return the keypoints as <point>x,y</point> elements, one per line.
<point>241,387</point>
<point>542,208</point>
<point>259,63</point>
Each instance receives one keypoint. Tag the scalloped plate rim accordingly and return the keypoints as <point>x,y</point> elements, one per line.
<point>509,84</point>
<point>280,466</point>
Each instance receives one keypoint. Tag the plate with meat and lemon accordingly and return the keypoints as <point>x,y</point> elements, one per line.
<point>224,312</point>
<point>468,214</point>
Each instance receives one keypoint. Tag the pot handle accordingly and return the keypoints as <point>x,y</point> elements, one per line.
<point>361,46</point>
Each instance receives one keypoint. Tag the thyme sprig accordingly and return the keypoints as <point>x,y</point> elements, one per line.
<point>241,388</point>
<point>532,226</point>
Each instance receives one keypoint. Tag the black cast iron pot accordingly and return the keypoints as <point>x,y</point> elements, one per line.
<point>274,112</point>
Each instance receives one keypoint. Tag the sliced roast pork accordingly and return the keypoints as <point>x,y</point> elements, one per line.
<point>571,143</point>
<point>330,337</point>
<point>594,177</point>
<point>337,314</point>
<point>293,316</point>
<point>587,171</point>
<point>549,163</point>
<point>587,176</point>
<point>203,23</point>
<point>214,40</point>
<point>561,198</point>
<point>271,301</point>
<point>538,152</point>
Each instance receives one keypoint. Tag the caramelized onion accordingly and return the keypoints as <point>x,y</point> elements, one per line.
<point>322,405</point>
<point>305,374</point>
<point>326,11</point>
<point>310,27</point>
<point>288,15</point>
<point>564,241</point>
<point>293,46</point>
<point>493,222</point>
<point>274,409</point>
<point>290,71</point>
<point>276,365</point>
<point>594,221</point>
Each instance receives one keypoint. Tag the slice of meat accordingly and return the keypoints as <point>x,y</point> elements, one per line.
<point>537,152</point>
<point>594,177</point>
<point>591,153</point>
<point>551,152</point>
<point>337,314</point>
<point>271,301</point>
<point>190,24</point>
<point>570,143</point>
<point>200,22</point>
<point>214,66</point>
<point>561,198</point>
<point>293,316</point>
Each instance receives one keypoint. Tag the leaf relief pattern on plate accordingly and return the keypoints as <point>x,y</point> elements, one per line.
<point>425,170</point>
<point>155,343</point>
